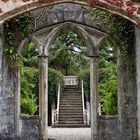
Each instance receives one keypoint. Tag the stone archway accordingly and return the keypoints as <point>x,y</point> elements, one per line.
<point>93,40</point>
<point>41,31</point>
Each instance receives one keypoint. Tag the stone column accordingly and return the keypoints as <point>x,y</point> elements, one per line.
<point>94,96</point>
<point>43,95</point>
<point>137,33</point>
<point>1,98</point>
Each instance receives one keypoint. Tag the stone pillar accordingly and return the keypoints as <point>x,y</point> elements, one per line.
<point>43,95</point>
<point>94,96</point>
<point>137,34</point>
<point>127,89</point>
<point>1,48</point>
<point>9,97</point>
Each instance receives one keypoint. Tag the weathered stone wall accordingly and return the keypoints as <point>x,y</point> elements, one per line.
<point>127,89</point>
<point>108,128</point>
<point>9,87</point>
<point>137,34</point>
<point>30,128</point>
<point>9,96</point>
<point>63,13</point>
<point>8,101</point>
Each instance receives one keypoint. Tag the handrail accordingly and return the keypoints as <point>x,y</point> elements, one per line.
<point>83,102</point>
<point>58,101</point>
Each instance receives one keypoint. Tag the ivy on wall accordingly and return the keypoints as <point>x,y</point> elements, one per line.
<point>14,30</point>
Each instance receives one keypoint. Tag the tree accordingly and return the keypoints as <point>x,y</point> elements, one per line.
<point>68,54</point>
<point>30,80</point>
<point>29,90</point>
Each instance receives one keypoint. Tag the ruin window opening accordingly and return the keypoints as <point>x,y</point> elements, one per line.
<point>108,80</point>
<point>29,78</point>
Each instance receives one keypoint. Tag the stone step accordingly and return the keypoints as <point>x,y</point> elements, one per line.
<point>75,106</point>
<point>71,122</point>
<point>70,119</point>
<point>70,87</point>
<point>70,98</point>
<point>70,125</point>
<point>70,95</point>
<point>70,103</point>
<point>71,115</point>
<point>71,111</point>
<point>71,91</point>
<point>71,108</point>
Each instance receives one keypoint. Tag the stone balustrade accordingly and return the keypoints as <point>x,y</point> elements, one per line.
<point>70,80</point>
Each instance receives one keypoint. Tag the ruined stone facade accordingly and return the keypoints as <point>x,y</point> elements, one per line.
<point>54,22</point>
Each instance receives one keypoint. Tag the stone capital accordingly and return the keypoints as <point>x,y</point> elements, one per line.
<point>42,58</point>
<point>94,59</point>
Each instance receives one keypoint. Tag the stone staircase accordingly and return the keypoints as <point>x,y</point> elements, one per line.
<point>71,108</point>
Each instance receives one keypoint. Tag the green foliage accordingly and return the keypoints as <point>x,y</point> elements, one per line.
<point>30,80</point>
<point>121,35</point>
<point>106,72</point>
<point>30,50</point>
<point>120,30</point>
<point>54,77</point>
<point>9,39</point>
<point>85,76</point>
<point>68,54</point>
<point>23,21</point>
<point>59,58</point>
<point>108,91</point>
<point>108,80</point>
<point>29,90</point>
<point>13,30</point>
<point>29,55</point>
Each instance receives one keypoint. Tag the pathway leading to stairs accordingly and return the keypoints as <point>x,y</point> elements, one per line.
<point>69,133</point>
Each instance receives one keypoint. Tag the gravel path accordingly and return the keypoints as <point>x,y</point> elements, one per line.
<point>69,133</point>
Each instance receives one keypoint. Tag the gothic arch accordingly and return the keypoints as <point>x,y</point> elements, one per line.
<point>65,27</point>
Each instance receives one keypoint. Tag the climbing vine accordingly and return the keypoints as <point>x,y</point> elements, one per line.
<point>121,41</point>
<point>14,30</point>
<point>121,30</point>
